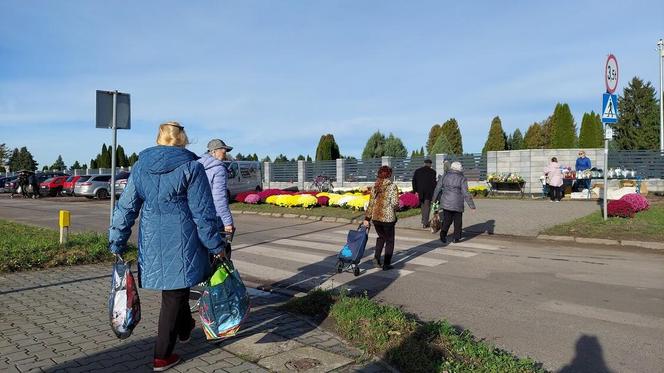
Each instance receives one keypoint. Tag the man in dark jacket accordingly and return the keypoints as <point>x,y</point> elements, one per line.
<point>424,182</point>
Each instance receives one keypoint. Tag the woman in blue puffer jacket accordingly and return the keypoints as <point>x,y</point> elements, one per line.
<point>178,232</point>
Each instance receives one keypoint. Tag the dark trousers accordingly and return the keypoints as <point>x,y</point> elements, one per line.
<point>174,319</point>
<point>385,239</point>
<point>556,193</point>
<point>450,217</point>
<point>425,204</point>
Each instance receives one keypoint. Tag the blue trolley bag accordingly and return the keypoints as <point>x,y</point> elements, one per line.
<point>356,243</point>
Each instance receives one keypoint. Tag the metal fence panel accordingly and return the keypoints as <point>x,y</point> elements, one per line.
<point>474,165</point>
<point>361,170</point>
<point>404,168</point>
<point>284,172</point>
<point>320,168</point>
<point>648,164</point>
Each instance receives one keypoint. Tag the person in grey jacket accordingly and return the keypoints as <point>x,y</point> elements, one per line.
<point>451,191</point>
<point>218,178</point>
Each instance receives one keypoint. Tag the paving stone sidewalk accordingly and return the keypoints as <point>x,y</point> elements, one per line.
<point>57,320</point>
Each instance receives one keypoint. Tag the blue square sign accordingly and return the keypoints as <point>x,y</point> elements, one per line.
<point>609,108</point>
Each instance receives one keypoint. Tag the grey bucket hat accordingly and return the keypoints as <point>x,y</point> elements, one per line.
<point>215,144</point>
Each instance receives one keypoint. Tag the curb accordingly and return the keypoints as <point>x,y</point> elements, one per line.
<point>297,294</point>
<point>604,241</point>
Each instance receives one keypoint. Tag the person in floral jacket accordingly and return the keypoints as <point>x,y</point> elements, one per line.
<point>382,210</point>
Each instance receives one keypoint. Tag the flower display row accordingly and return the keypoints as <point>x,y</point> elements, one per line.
<point>356,200</point>
<point>509,177</point>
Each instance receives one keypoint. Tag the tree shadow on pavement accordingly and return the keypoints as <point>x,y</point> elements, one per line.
<point>588,357</point>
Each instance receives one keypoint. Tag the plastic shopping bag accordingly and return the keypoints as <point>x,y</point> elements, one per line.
<point>434,219</point>
<point>225,305</point>
<point>124,306</point>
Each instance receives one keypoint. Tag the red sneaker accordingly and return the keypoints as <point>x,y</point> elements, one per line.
<point>161,365</point>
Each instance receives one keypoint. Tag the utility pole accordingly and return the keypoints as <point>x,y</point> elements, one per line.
<point>660,49</point>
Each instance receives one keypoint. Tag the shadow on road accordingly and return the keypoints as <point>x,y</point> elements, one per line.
<point>588,357</point>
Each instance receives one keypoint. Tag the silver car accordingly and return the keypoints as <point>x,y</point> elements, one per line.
<point>121,182</point>
<point>97,186</point>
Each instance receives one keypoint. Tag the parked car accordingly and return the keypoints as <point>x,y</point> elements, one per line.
<point>68,187</point>
<point>2,184</point>
<point>121,182</point>
<point>52,186</point>
<point>97,186</point>
<point>10,184</point>
<point>243,176</point>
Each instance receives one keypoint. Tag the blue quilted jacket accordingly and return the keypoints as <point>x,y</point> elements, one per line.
<point>218,177</point>
<point>178,227</point>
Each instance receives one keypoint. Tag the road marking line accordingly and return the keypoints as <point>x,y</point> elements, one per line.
<point>471,245</point>
<point>291,255</point>
<point>453,252</point>
<point>343,279</point>
<point>603,314</point>
<point>262,272</point>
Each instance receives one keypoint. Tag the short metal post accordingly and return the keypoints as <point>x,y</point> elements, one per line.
<point>115,144</point>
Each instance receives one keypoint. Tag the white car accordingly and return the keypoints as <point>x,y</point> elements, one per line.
<point>243,176</point>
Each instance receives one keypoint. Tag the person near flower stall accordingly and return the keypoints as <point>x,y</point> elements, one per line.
<point>424,183</point>
<point>583,163</point>
<point>554,178</point>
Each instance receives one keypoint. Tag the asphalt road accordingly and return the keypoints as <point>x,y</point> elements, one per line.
<point>576,309</point>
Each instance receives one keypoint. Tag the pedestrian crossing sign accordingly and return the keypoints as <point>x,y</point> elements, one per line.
<point>609,108</point>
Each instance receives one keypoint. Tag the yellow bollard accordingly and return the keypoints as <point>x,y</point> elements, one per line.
<point>64,226</point>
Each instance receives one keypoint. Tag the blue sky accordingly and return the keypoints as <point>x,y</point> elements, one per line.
<point>271,77</point>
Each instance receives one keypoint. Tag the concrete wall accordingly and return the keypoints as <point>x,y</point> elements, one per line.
<point>530,163</point>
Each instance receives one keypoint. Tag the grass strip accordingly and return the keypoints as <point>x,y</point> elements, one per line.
<point>24,247</point>
<point>404,342</point>
<point>644,226</point>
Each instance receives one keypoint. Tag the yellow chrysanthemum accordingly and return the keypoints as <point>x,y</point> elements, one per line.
<point>307,201</point>
<point>271,200</point>
<point>334,199</point>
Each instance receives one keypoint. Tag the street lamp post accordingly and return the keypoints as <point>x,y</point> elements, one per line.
<point>660,48</point>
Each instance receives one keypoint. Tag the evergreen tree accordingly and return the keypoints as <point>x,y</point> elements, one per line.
<point>254,157</point>
<point>301,158</point>
<point>93,163</point>
<point>422,152</point>
<point>76,166</point>
<point>496,139</point>
<point>13,160</point>
<point>84,166</point>
<point>441,146</point>
<point>591,133</point>
<point>45,168</point>
<point>309,158</point>
<point>564,128</point>
<point>267,159</point>
<point>5,153</point>
<point>281,158</point>
<point>546,131</point>
<point>327,149</point>
<point>508,142</point>
<point>121,157</point>
<point>638,117</point>
<point>133,158</point>
<point>394,147</point>
<point>239,157</point>
<point>434,133</point>
<point>517,140</point>
<point>22,160</point>
<point>450,129</point>
<point>375,147</point>
<point>59,164</point>
<point>534,138</point>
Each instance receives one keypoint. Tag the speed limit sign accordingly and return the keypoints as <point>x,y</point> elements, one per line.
<point>611,74</point>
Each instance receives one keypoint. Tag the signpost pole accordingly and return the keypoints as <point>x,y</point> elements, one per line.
<point>606,169</point>
<point>660,48</point>
<point>115,143</point>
